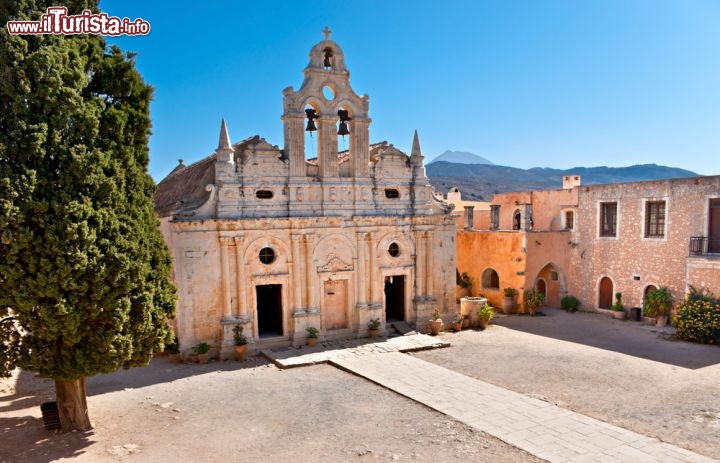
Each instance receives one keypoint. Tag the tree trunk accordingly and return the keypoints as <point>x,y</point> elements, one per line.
<point>72,405</point>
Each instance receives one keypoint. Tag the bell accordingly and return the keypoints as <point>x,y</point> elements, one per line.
<point>311,116</point>
<point>311,126</point>
<point>343,129</point>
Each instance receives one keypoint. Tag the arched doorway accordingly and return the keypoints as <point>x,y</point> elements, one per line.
<point>541,287</point>
<point>550,281</point>
<point>649,289</point>
<point>605,293</point>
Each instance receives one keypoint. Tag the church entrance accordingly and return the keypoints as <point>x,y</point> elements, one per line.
<point>605,293</point>
<point>269,310</point>
<point>395,297</point>
<point>335,305</point>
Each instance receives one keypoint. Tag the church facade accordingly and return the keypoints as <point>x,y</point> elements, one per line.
<point>277,242</point>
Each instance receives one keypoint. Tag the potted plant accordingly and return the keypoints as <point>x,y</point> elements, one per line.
<point>436,323</point>
<point>484,315</point>
<point>201,350</point>
<point>173,350</point>
<point>240,342</point>
<point>509,300</point>
<point>458,323</point>
<point>658,304</point>
<point>617,307</point>
<point>465,282</point>
<point>570,303</point>
<point>532,298</point>
<point>312,335</point>
<point>374,328</point>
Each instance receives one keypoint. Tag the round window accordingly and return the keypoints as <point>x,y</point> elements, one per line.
<point>267,255</point>
<point>394,249</point>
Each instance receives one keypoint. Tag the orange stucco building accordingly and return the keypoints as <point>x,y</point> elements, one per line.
<point>593,241</point>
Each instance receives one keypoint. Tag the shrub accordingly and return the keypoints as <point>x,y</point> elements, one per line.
<point>510,292</point>
<point>486,312</point>
<point>533,299</point>
<point>570,303</point>
<point>658,302</point>
<point>698,320</point>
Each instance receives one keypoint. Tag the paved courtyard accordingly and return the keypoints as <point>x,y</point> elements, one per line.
<point>545,385</point>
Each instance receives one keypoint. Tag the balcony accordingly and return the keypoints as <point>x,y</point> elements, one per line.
<point>704,246</point>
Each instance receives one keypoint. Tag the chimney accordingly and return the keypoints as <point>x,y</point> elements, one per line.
<point>571,181</point>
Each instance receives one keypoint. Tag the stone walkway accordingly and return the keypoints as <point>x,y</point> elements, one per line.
<point>538,427</point>
<point>289,357</point>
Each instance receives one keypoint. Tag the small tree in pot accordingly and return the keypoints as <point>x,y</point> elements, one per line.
<point>436,323</point>
<point>312,335</point>
<point>658,304</point>
<point>240,342</point>
<point>533,299</point>
<point>484,315</point>
<point>508,302</point>
<point>374,328</point>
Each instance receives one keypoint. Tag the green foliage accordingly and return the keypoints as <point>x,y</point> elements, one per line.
<point>238,336</point>
<point>464,280</point>
<point>436,314</point>
<point>312,332</point>
<point>570,303</point>
<point>532,298</point>
<point>374,324</point>
<point>85,283</point>
<point>202,348</point>
<point>510,292</point>
<point>698,320</point>
<point>618,306</point>
<point>658,302</point>
<point>486,312</point>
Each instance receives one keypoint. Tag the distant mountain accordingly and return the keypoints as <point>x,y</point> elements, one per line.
<point>481,181</point>
<point>460,157</point>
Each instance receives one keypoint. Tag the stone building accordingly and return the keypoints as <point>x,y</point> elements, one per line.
<point>593,241</point>
<point>275,241</point>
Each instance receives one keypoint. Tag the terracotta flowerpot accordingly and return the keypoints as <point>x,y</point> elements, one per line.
<point>203,358</point>
<point>175,358</point>
<point>507,304</point>
<point>457,326</point>
<point>435,326</point>
<point>373,333</point>
<point>619,314</point>
<point>312,341</point>
<point>241,351</point>
<point>661,320</point>
<point>483,323</point>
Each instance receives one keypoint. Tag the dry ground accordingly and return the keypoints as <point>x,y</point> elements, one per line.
<point>251,411</point>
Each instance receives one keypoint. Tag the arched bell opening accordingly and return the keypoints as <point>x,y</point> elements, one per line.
<point>311,140</point>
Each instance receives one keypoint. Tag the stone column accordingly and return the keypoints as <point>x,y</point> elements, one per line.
<point>419,264</point>
<point>372,262</point>
<point>241,282</point>
<point>327,148</point>
<point>296,269</point>
<point>429,263</point>
<point>311,271</point>
<point>295,144</point>
<point>360,273</point>
<point>225,243</point>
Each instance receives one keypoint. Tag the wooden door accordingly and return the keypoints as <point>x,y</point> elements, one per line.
<point>714,227</point>
<point>335,304</point>
<point>605,296</point>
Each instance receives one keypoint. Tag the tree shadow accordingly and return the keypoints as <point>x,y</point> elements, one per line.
<point>626,337</point>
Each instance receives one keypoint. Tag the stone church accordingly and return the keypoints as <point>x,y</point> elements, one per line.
<point>277,240</point>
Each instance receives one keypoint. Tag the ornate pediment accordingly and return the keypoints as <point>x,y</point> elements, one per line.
<point>334,264</point>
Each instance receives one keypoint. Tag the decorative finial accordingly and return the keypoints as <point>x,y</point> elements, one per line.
<point>180,162</point>
<point>224,142</point>
<point>327,33</point>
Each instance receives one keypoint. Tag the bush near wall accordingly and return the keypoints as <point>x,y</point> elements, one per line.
<point>698,320</point>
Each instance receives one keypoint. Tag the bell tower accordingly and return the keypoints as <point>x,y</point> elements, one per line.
<point>326,106</point>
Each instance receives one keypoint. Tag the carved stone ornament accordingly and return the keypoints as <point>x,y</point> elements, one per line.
<point>334,264</point>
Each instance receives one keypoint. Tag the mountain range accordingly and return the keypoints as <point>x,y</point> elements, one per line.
<point>480,181</point>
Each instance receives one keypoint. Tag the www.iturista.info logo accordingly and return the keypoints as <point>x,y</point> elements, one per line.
<point>57,21</point>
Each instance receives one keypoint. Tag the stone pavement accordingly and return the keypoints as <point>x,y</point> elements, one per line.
<point>289,357</point>
<point>538,427</point>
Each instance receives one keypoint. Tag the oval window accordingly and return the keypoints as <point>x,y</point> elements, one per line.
<point>394,250</point>
<point>267,256</point>
<point>263,194</point>
<point>392,193</point>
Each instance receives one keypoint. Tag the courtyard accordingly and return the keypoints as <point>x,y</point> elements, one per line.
<point>626,374</point>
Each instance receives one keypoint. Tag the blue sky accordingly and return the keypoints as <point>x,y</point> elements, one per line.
<point>523,83</point>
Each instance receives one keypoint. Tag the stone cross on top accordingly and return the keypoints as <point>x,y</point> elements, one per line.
<point>327,33</point>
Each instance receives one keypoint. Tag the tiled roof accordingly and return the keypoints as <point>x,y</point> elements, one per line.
<point>185,187</point>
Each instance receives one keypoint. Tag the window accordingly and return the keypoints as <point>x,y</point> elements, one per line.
<point>608,219</point>
<point>655,219</point>
<point>391,193</point>
<point>394,250</point>
<point>490,279</point>
<point>263,194</point>
<point>517,220</point>
<point>569,220</point>
<point>494,216</point>
<point>267,256</point>
<point>554,276</point>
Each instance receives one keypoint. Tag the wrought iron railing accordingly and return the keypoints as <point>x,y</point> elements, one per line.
<point>703,246</point>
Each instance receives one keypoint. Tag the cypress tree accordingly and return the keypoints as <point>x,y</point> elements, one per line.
<point>85,278</point>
